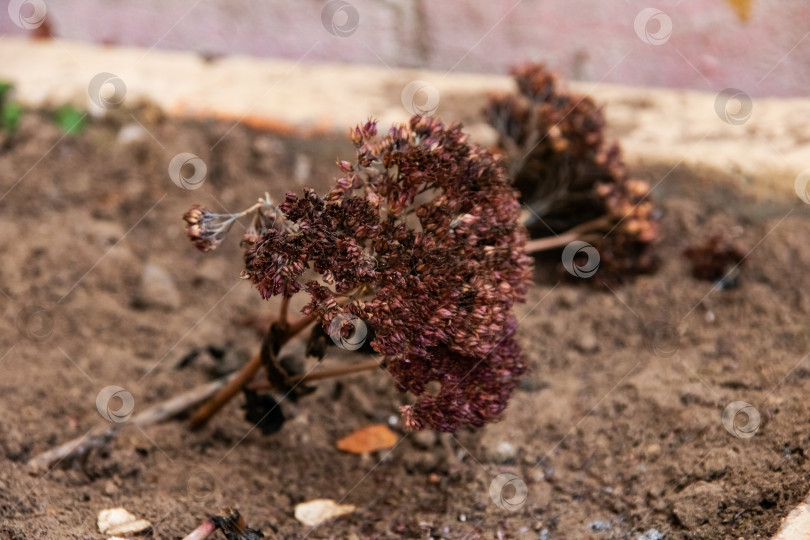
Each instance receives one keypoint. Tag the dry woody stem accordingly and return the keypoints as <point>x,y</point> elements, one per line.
<point>103,435</point>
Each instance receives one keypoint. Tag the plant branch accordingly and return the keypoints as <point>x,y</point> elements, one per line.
<point>282,312</point>
<point>244,376</point>
<point>330,373</point>
<point>234,386</point>
<point>102,435</point>
<point>575,233</point>
<point>322,374</point>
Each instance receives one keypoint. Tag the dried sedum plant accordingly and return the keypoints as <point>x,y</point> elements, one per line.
<point>421,240</point>
<point>569,177</point>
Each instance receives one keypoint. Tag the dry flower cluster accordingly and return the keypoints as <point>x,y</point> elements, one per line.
<point>569,177</point>
<point>420,239</point>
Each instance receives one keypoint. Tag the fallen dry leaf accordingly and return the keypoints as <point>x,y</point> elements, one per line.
<point>119,521</point>
<point>368,439</point>
<point>315,512</point>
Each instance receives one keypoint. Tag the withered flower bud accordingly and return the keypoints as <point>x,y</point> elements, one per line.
<point>205,229</point>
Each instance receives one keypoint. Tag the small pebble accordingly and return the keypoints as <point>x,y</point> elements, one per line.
<point>501,451</point>
<point>119,521</point>
<point>599,525</point>
<point>587,342</point>
<point>312,513</point>
<point>652,451</point>
<point>131,133</point>
<point>652,534</point>
<point>157,289</point>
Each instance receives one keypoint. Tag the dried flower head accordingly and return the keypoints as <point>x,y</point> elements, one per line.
<point>568,175</point>
<point>420,239</point>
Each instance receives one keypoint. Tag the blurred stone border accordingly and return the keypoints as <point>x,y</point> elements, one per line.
<point>655,126</point>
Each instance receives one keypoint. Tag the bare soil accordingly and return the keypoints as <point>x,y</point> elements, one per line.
<point>616,431</point>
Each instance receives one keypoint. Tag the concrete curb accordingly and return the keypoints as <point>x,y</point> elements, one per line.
<point>765,152</point>
<point>796,525</point>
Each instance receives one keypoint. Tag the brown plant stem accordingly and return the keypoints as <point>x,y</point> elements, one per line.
<point>320,375</point>
<point>550,242</point>
<point>282,312</point>
<point>243,376</point>
<point>213,405</point>
<point>102,435</point>
<point>575,233</point>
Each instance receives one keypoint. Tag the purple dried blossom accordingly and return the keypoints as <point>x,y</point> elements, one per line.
<point>420,239</point>
<point>568,174</point>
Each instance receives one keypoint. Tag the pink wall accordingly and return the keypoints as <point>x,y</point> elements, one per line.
<point>709,48</point>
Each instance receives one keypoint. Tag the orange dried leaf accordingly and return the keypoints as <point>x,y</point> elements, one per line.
<point>368,439</point>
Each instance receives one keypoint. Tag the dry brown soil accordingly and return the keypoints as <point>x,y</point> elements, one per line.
<point>616,431</point>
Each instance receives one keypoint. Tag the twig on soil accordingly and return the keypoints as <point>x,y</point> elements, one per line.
<point>102,435</point>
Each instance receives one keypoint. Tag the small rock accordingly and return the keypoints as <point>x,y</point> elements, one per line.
<point>424,439</point>
<point>501,451</point>
<point>652,534</point>
<point>315,512</point>
<point>131,133</point>
<point>652,451</point>
<point>116,521</point>
<point>587,342</point>
<point>157,289</point>
<point>599,525</point>
<point>110,488</point>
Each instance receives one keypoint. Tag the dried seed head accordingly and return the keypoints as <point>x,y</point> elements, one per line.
<point>424,229</point>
